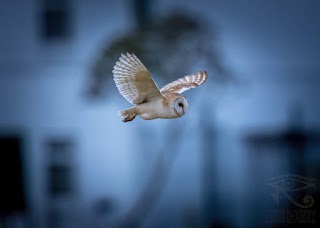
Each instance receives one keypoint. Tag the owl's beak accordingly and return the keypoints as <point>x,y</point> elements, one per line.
<point>176,112</point>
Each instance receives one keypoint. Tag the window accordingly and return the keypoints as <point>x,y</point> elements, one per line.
<point>12,195</point>
<point>60,165</point>
<point>55,19</point>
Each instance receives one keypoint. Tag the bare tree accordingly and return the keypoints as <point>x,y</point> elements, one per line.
<point>169,47</point>
<point>151,193</point>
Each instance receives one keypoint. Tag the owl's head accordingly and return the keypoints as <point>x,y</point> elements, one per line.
<point>180,106</point>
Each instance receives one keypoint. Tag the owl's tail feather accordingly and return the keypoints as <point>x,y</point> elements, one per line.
<point>128,114</point>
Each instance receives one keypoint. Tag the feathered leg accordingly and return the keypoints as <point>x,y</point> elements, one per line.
<point>128,114</point>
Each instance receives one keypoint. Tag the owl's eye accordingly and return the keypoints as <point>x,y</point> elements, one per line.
<point>181,105</point>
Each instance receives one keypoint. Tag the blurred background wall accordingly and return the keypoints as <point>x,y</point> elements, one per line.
<point>67,160</point>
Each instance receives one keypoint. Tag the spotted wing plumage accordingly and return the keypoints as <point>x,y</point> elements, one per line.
<point>133,80</point>
<point>185,83</point>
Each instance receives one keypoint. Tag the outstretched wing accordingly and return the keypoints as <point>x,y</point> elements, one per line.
<point>133,80</point>
<point>185,83</point>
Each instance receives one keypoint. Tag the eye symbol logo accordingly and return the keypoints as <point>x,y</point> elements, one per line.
<point>289,183</point>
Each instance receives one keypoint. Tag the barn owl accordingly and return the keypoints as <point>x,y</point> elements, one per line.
<point>135,84</point>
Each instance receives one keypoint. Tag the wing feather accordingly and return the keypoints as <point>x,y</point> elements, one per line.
<point>133,80</point>
<point>185,83</point>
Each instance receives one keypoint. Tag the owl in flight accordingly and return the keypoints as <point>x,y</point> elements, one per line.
<point>135,84</point>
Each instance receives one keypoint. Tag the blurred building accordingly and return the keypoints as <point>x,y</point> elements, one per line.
<point>49,131</point>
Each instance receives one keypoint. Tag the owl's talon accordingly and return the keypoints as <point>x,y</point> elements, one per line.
<point>128,118</point>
